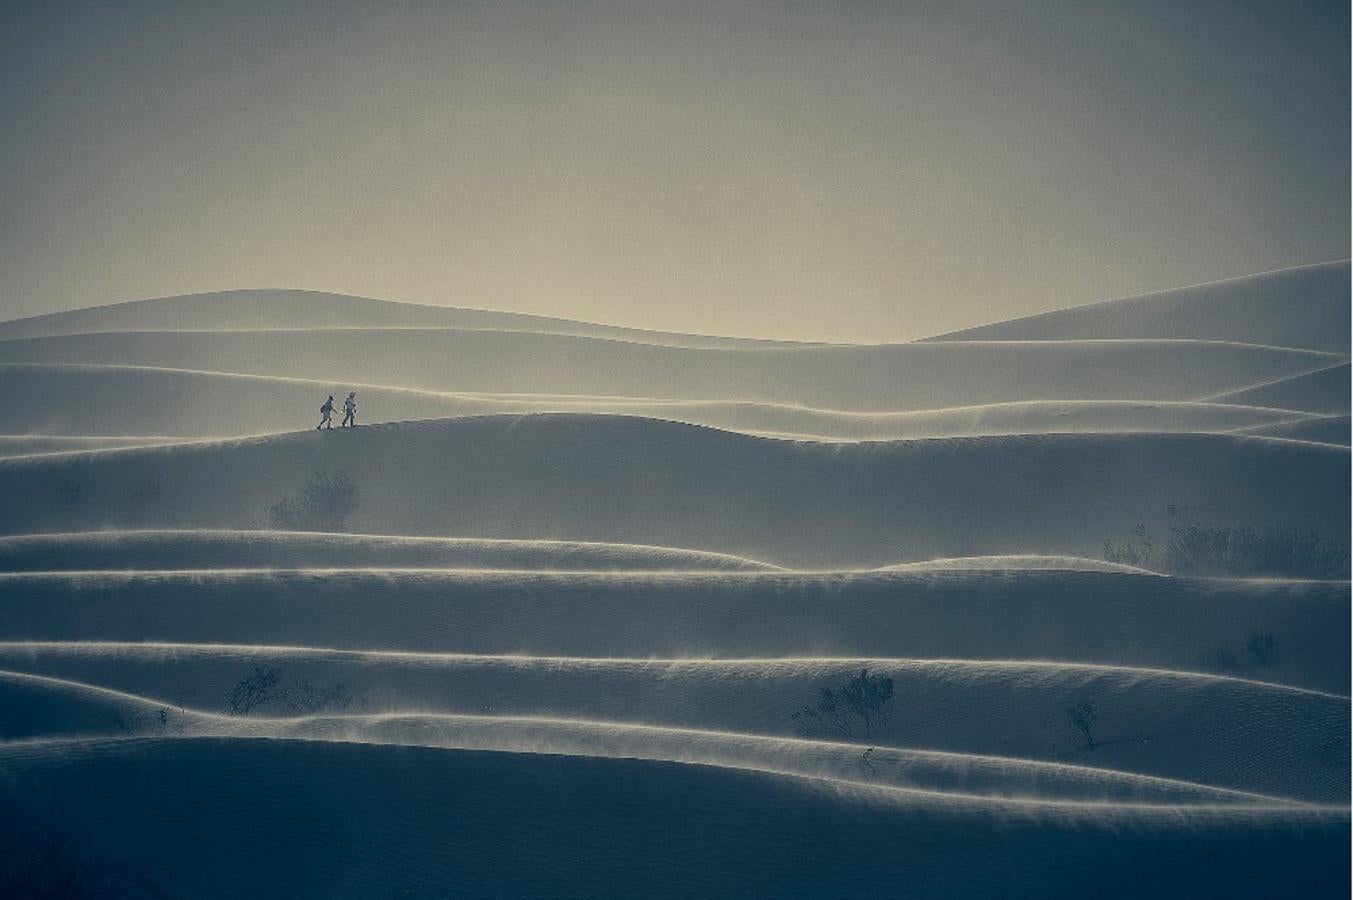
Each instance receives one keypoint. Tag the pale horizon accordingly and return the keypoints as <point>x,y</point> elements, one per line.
<point>846,173</point>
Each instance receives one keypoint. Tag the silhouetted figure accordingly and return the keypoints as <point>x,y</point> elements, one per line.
<point>350,411</point>
<point>326,414</point>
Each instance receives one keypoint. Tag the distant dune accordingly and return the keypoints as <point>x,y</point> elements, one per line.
<point>889,378</point>
<point>274,309</point>
<point>1325,391</point>
<point>1305,307</point>
<point>1324,429</point>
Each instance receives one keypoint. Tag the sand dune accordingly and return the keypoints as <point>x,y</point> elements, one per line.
<point>629,480</point>
<point>1322,429</point>
<point>12,445</point>
<point>48,400</point>
<point>887,378</point>
<point>589,573</point>
<point>1017,564</point>
<point>86,711</point>
<point>444,812</point>
<point>278,309</point>
<point>1325,392</point>
<point>1229,733</point>
<point>186,550</point>
<point>1084,617</point>
<point>1300,307</point>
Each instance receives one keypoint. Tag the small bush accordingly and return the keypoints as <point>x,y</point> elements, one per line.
<point>1245,551</point>
<point>157,722</point>
<point>1083,717</point>
<point>264,687</point>
<point>324,504</point>
<point>862,703</point>
<point>255,690</point>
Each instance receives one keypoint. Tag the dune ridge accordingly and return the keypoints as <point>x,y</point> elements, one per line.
<point>1085,617</point>
<point>60,406</point>
<point>262,550</point>
<point>629,480</point>
<point>1254,308</point>
<point>271,309</point>
<point>913,771</point>
<point>884,378</point>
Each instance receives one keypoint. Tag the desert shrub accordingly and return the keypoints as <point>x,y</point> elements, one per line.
<point>1083,718</point>
<point>264,687</point>
<point>863,703</point>
<point>826,716</point>
<point>1274,550</point>
<point>324,504</point>
<point>1134,550</point>
<point>157,722</point>
<point>1262,647</point>
<point>257,689</point>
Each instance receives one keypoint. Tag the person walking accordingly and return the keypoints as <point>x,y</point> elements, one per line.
<point>326,414</point>
<point>350,411</point>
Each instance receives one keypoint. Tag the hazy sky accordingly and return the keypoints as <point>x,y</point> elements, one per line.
<point>836,170</point>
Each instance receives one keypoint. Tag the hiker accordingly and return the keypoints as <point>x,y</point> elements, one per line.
<point>350,411</point>
<point>327,413</point>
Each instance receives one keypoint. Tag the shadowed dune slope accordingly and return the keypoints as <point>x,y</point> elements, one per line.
<point>1306,306</point>
<point>49,401</point>
<point>175,810</point>
<point>1225,733</point>
<point>887,378</point>
<point>1325,392</point>
<point>75,710</point>
<point>151,550</point>
<point>274,309</point>
<point>630,480</point>
<point>1083,617</point>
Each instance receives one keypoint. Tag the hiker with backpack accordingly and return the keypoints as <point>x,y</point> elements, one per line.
<point>326,414</point>
<point>350,411</point>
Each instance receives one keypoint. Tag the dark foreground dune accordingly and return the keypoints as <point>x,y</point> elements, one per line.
<point>345,820</point>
